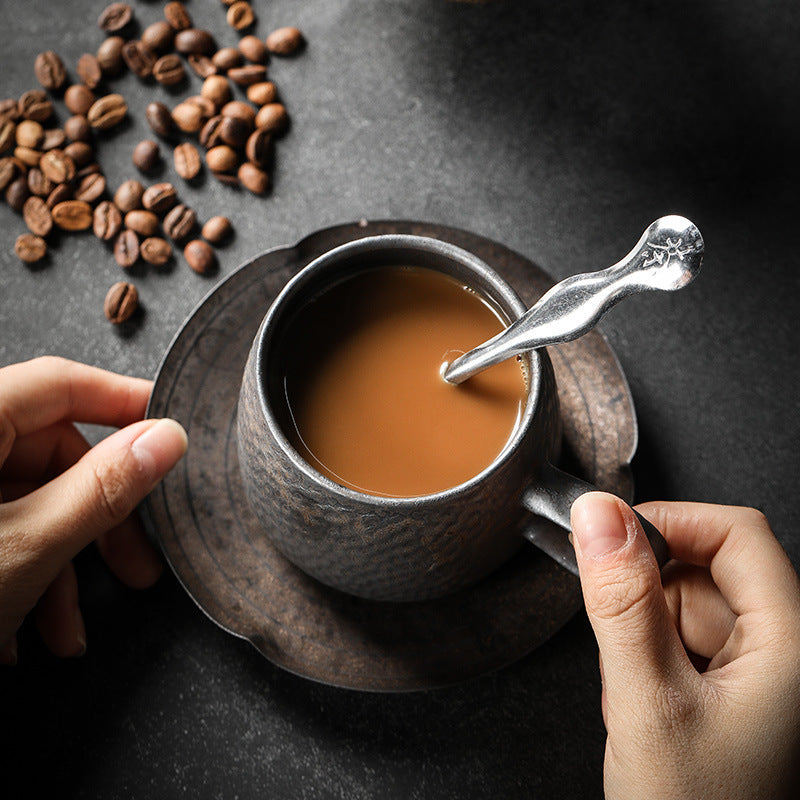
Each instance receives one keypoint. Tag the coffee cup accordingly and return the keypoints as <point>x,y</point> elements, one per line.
<point>417,546</point>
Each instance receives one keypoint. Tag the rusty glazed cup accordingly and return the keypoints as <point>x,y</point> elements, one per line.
<point>407,548</point>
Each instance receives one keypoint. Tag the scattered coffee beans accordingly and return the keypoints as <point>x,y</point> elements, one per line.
<point>126,248</point>
<point>146,155</point>
<point>156,251</point>
<point>115,17</point>
<point>73,215</point>
<point>145,223</point>
<point>89,70</point>
<point>121,302</point>
<point>107,112</point>
<point>253,178</point>
<point>109,55</point>
<point>169,71</point>
<point>106,221</point>
<point>50,70</point>
<point>129,196</point>
<point>177,16</point>
<point>217,230</point>
<point>187,161</point>
<point>240,15</point>
<point>79,99</point>
<point>200,256</point>
<point>36,214</point>
<point>285,41</point>
<point>159,198</point>
<point>30,248</point>
<point>180,222</point>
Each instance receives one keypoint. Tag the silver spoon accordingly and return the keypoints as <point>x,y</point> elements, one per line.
<point>667,257</point>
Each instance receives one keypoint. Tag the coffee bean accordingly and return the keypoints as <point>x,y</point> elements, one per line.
<point>227,178</point>
<point>106,221</point>
<point>27,156</point>
<point>262,93</point>
<point>195,41</point>
<point>207,108</point>
<point>177,16</point>
<point>29,134</point>
<point>222,158</point>
<point>248,75</point>
<point>91,187</point>
<point>217,229</point>
<point>35,105</point>
<point>159,117</point>
<point>253,178</point>
<point>202,66</point>
<point>57,166</point>
<point>38,184</point>
<point>146,155</point>
<point>217,89</point>
<point>59,194</point>
<point>253,49</point>
<point>79,98</point>
<point>272,117</point>
<point>187,161</point>
<point>156,251</point>
<point>107,112</point>
<point>30,248</point>
<point>50,70</point>
<point>139,58</point>
<point>8,172</point>
<point>37,216</point>
<point>188,117</point>
<point>227,58</point>
<point>240,15</point>
<point>259,147</point>
<point>145,223</point>
<point>54,138</point>
<point>169,70</point>
<point>158,36</point>
<point>115,17</point>
<point>109,55</point>
<point>210,132</point>
<point>234,131</point>
<point>8,133</point>
<point>129,196</point>
<point>73,215</point>
<point>121,302</point>
<point>80,152</point>
<point>159,198</point>
<point>9,109</point>
<point>126,248</point>
<point>238,108</point>
<point>89,70</point>
<point>77,128</point>
<point>200,256</point>
<point>285,41</point>
<point>17,192</point>
<point>180,222</point>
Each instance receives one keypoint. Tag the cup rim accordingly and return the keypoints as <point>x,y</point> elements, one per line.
<point>390,244</point>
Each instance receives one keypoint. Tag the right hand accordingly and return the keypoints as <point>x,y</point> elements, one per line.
<point>701,676</point>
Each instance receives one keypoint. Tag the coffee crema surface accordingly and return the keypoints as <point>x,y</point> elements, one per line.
<point>361,377</point>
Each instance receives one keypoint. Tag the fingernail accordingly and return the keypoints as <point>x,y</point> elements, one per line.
<point>160,447</point>
<point>598,525</point>
<point>8,652</point>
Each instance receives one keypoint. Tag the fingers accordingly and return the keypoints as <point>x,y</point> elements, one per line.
<point>45,453</point>
<point>58,616</point>
<point>129,555</point>
<point>38,393</point>
<point>638,642</point>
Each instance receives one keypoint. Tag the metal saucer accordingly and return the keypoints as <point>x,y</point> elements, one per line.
<point>200,518</point>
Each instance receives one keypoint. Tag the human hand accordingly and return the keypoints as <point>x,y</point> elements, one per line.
<point>730,727</point>
<point>57,495</point>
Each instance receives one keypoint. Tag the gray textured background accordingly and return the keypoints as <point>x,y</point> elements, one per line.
<point>559,129</point>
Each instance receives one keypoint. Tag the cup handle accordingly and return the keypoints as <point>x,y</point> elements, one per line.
<point>552,497</point>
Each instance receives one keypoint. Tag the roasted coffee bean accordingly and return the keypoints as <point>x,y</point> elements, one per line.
<point>177,16</point>
<point>88,169</point>
<point>145,223</point>
<point>90,187</point>
<point>37,216</point>
<point>139,58</point>
<point>169,70</point>
<point>107,112</point>
<point>222,158</point>
<point>159,117</point>
<point>126,248</point>
<point>29,134</point>
<point>38,183</point>
<point>227,178</point>
<point>207,108</point>
<point>50,70</point>
<point>159,198</point>
<point>227,58</point>
<point>259,147</point>
<point>35,105</point>
<point>272,117</point>
<point>73,215</point>
<point>30,248</point>
<point>57,166</point>
<point>89,70</point>
<point>59,194</point>
<point>253,178</point>
<point>217,89</point>
<point>217,229</point>
<point>262,93</point>
<point>210,132</point>
<point>146,155</point>
<point>253,49</point>
<point>17,192</point>
<point>28,156</point>
<point>8,172</point>
<point>285,41</point>
<point>234,131</point>
<point>187,161</point>
<point>248,74</point>
<point>109,55</point>
<point>115,17</point>
<point>77,128</point>
<point>79,98</point>
<point>195,41</point>
<point>8,134</point>
<point>121,302</point>
<point>188,116</point>
<point>180,222</point>
<point>238,108</point>
<point>54,138</point>
<point>240,15</point>
<point>129,196</point>
<point>156,251</point>
<point>81,153</point>
<point>9,109</point>
<point>158,36</point>
<point>202,66</point>
<point>200,256</point>
<point>106,221</point>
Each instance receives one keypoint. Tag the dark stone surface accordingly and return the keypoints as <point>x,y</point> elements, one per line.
<point>560,130</point>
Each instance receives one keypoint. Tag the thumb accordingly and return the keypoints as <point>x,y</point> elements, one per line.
<point>639,645</point>
<point>99,491</point>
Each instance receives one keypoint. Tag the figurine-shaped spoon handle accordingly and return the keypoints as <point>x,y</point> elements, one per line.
<point>667,257</point>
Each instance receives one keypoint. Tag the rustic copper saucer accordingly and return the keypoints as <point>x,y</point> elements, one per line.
<point>201,519</point>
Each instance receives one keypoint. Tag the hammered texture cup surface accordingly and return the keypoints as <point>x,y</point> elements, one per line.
<point>217,549</point>
<point>397,549</point>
